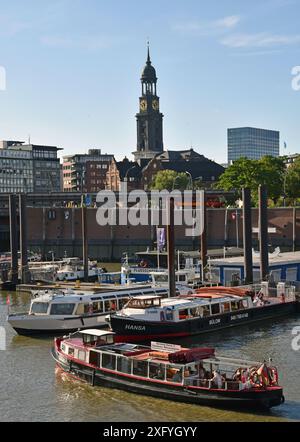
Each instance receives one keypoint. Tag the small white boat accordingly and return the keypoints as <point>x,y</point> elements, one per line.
<point>71,272</point>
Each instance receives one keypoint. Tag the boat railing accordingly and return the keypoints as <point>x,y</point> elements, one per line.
<point>209,384</point>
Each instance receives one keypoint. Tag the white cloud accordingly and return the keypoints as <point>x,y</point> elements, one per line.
<point>208,28</point>
<point>259,40</point>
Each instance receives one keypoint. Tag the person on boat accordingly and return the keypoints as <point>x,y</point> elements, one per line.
<point>160,374</point>
<point>177,376</point>
<point>282,297</point>
<point>263,374</point>
<point>259,300</point>
<point>217,379</point>
<point>201,371</point>
<point>113,305</point>
<point>238,375</point>
<point>143,263</point>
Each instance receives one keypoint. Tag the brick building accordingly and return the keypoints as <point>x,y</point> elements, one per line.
<point>86,173</point>
<point>125,170</point>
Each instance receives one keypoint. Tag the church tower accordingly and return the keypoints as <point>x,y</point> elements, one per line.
<point>149,118</point>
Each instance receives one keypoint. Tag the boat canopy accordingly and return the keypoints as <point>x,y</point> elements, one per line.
<point>95,332</point>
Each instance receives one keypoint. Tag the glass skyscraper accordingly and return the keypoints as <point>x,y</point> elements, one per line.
<point>252,143</point>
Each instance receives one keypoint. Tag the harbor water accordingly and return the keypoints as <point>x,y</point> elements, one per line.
<point>33,389</point>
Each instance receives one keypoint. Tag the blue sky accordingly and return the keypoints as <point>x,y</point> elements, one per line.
<point>73,71</point>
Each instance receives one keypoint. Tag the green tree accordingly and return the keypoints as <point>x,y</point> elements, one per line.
<point>242,173</point>
<point>251,173</point>
<point>271,172</point>
<point>169,180</point>
<point>292,180</point>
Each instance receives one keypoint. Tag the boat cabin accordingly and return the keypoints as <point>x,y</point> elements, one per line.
<point>183,308</point>
<point>84,303</point>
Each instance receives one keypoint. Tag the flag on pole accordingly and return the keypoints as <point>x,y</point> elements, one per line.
<point>161,239</point>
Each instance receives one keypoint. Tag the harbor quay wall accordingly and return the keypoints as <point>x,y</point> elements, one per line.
<point>59,230</point>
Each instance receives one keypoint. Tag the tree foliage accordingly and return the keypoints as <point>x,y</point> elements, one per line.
<point>292,180</point>
<point>251,173</point>
<point>169,180</point>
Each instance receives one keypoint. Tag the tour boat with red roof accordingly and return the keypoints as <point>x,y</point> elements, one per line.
<point>195,375</point>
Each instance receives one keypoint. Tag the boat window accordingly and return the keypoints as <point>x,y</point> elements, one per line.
<point>88,309</point>
<point>71,351</point>
<point>241,305</point>
<point>110,305</point>
<point>81,355</point>
<point>215,309</point>
<point>62,309</point>
<point>169,314</point>
<point>144,303</point>
<point>157,371</point>
<point>39,308</point>
<point>226,307</point>
<point>183,314</point>
<point>194,312</point>
<point>245,303</point>
<point>162,291</point>
<point>206,310</point>
<point>122,302</point>
<point>124,365</point>
<point>95,358</point>
<point>98,307</point>
<point>174,374</point>
<point>151,293</point>
<point>234,305</point>
<point>109,339</point>
<point>161,278</point>
<point>108,361</point>
<point>140,368</point>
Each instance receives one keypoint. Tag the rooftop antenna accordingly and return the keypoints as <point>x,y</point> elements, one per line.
<point>29,139</point>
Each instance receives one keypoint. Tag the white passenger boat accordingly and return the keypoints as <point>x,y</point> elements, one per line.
<point>64,312</point>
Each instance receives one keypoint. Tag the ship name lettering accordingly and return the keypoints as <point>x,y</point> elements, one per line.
<point>241,316</point>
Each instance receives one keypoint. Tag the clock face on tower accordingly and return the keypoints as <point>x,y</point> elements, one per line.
<point>143,105</point>
<point>155,105</point>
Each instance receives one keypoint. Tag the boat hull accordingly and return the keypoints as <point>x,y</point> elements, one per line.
<point>30,325</point>
<point>263,399</point>
<point>134,330</point>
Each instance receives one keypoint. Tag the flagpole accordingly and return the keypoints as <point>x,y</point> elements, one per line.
<point>158,246</point>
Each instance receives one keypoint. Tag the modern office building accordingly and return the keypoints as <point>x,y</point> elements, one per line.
<point>86,172</point>
<point>252,143</point>
<point>27,168</point>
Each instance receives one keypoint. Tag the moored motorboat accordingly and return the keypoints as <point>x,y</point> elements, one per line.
<point>57,311</point>
<point>197,375</point>
<point>149,318</point>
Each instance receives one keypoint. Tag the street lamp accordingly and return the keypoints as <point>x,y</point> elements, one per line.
<point>191,179</point>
